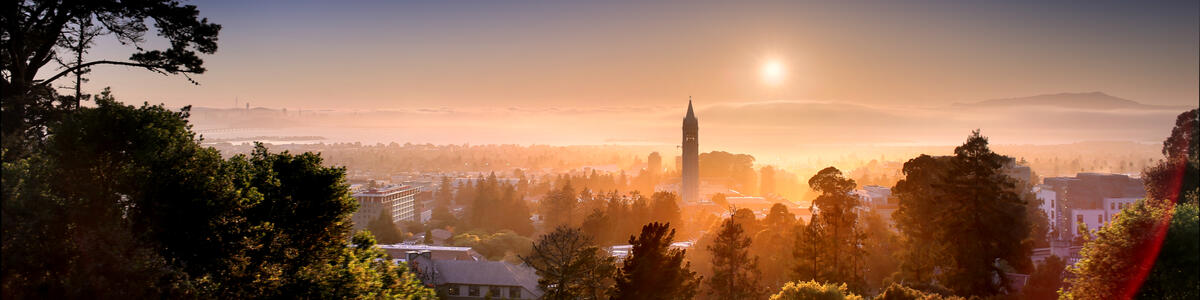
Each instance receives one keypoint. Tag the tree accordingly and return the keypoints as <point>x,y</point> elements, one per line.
<point>810,242</point>
<point>881,245</point>
<point>774,246</point>
<point>836,207</point>
<point>570,265</point>
<point>502,245</point>
<point>734,269</point>
<point>445,193</point>
<point>918,204</point>
<point>558,207</point>
<point>812,290</point>
<point>654,270</point>
<point>1148,251</point>
<point>664,208</point>
<point>114,203</point>
<point>32,29</point>
<point>1045,280</point>
<point>719,200</point>
<point>78,37</point>
<point>900,292</point>
<point>1177,176</point>
<point>384,230</point>
<point>947,204</point>
<point>341,278</point>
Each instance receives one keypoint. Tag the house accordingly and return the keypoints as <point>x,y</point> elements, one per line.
<point>475,279</point>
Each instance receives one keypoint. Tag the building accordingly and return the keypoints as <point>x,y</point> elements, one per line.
<point>401,251</point>
<point>691,157</point>
<point>1098,217</point>
<point>399,201</point>
<point>475,279</point>
<point>1088,198</point>
<point>620,252</point>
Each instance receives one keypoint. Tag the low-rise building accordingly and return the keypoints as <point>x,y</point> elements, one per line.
<point>475,279</point>
<point>401,251</point>
<point>398,201</point>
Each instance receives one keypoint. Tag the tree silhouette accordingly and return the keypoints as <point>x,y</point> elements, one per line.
<point>32,29</point>
<point>735,271</point>
<point>654,270</point>
<point>570,265</point>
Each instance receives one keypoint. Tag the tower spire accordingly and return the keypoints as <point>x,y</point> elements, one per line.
<point>690,114</point>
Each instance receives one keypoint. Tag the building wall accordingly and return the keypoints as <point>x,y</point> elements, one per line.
<point>398,201</point>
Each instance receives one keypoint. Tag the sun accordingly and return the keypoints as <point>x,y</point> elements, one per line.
<point>773,72</point>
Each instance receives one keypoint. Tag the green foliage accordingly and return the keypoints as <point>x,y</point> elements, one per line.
<point>812,290</point>
<point>384,230</point>
<point>1177,176</point>
<point>900,292</point>
<point>124,202</point>
<point>363,272</point>
<point>501,245</point>
<point>1124,260</point>
<point>947,204</point>
<point>571,266</point>
<point>653,270</point>
<point>735,271</point>
<point>496,206</point>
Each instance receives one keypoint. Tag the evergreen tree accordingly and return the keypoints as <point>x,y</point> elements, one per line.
<point>384,230</point>
<point>123,202</point>
<point>558,207</point>
<point>570,265</point>
<point>653,270</point>
<point>445,193</point>
<point>947,203</point>
<point>810,240</point>
<point>664,208</point>
<point>836,207</point>
<point>735,271</point>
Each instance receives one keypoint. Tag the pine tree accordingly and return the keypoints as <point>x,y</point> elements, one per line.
<point>735,271</point>
<point>653,270</point>
<point>570,265</point>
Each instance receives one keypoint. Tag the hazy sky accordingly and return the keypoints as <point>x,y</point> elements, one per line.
<point>794,74</point>
<point>390,55</point>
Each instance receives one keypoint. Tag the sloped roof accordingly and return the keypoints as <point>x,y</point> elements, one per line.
<point>496,273</point>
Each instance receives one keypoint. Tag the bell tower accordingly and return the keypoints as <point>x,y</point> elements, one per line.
<point>689,189</point>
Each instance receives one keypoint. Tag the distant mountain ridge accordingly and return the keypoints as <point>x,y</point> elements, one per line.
<point>1092,100</point>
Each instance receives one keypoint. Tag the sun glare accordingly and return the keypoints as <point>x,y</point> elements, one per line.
<point>772,72</point>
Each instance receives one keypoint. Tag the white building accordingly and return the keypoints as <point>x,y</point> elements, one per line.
<point>399,201</point>
<point>1049,201</point>
<point>1095,218</point>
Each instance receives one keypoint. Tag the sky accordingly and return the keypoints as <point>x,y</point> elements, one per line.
<point>647,57</point>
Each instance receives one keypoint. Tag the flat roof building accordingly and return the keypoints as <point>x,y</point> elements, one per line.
<point>399,201</point>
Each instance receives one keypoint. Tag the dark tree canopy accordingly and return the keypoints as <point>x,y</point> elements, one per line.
<point>1177,176</point>
<point>31,30</point>
<point>947,204</point>
<point>570,265</point>
<point>654,270</point>
<point>116,203</point>
<point>735,270</point>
